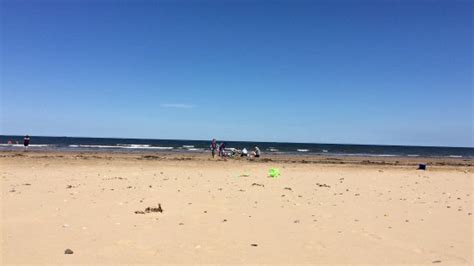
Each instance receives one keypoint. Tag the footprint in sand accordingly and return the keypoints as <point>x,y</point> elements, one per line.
<point>371,235</point>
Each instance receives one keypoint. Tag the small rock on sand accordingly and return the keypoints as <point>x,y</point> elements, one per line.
<point>254,245</point>
<point>68,251</point>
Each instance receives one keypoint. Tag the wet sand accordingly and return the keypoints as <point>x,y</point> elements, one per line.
<point>105,208</point>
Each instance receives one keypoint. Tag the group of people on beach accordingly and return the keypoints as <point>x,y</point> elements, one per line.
<point>26,141</point>
<point>222,152</point>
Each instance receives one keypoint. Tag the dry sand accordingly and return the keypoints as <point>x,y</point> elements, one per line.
<point>320,210</point>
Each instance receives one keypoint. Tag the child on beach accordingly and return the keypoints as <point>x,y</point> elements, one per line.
<point>213,147</point>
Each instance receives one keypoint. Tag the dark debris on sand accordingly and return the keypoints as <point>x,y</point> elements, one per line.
<point>150,209</point>
<point>322,185</point>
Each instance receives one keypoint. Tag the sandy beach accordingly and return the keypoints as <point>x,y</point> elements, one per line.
<point>104,208</point>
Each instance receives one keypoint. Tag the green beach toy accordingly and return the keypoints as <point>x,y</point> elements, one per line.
<point>274,172</point>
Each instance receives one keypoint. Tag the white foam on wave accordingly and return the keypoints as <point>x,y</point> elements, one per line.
<point>302,150</point>
<point>129,146</point>
<point>161,148</point>
<point>11,145</point>
<point>21,145</point>
<point>188,146</point>
<point>273,149</point>
<point>195,149</point>
<point>413,155</point>
<point>95,146</point>
<point>455,156</point>
<point>325,150</point>
<point>134,145</point>
<point>148,147</point>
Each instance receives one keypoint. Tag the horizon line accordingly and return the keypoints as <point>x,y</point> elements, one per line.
<point>289,142</point>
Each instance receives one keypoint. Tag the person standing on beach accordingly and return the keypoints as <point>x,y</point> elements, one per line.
<point>26,141</point>
<point>213,147</point>
<point>222,149</point>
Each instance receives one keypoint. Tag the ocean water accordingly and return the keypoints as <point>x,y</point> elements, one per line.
<point>157,145</point>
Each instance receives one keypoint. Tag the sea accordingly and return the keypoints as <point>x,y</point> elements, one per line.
<point>43,143</point>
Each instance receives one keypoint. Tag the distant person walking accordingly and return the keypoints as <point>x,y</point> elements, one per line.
<point>213,147</point>
<point>26,141</point>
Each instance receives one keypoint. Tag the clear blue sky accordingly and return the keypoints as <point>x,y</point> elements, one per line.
<point>373,72</point>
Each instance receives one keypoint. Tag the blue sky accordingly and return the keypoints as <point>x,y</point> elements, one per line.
<point>372,72</point>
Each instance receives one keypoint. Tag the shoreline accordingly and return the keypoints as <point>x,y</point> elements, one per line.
<point>267,158</point>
